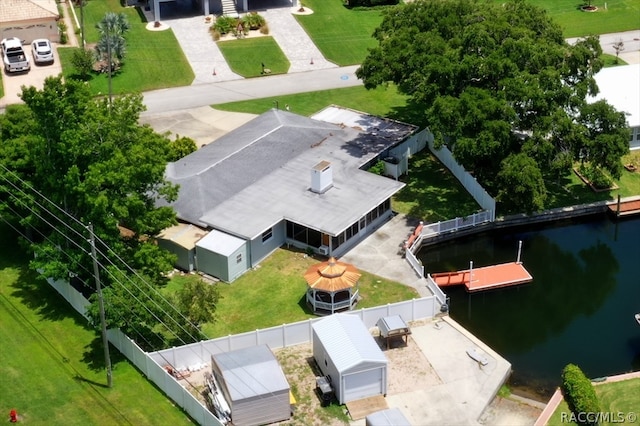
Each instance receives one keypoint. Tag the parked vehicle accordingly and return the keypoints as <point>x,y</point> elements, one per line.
<point>14,57</point>
<point>42,51</point>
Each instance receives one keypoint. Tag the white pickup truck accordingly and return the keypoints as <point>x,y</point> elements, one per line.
<point>14,57</point>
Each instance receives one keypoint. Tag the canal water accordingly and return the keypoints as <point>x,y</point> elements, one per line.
<point>579,308</point>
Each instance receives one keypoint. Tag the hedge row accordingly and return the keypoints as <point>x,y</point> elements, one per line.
<point>579,392</point>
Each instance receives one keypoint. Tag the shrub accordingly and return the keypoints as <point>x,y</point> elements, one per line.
<point>225,24</point>
<point>377,168</point>
<point>253,21</point>
<point>598,178</point>
<point>264,29</point>
<point>82,61</point>
<point>579,392</point>
<point>370,3</point>
<point>62,27</point>
<point>215,34</point>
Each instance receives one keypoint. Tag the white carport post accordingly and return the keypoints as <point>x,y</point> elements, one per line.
<point>245,5</point>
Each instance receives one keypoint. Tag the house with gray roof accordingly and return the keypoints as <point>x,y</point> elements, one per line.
<point>287,179</point>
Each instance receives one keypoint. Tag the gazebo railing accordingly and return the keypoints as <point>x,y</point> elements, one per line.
<point>347,303</point>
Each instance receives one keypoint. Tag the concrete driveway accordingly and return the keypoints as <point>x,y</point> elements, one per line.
<point>13,83</point>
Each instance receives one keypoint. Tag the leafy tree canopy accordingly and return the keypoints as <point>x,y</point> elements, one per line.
<point>96,165</point>
<point>496,80</point>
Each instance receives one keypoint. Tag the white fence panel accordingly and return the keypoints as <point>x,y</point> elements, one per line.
<point>244,340</point>
<point>71,295</point>
<point>469,182</point>
<point>414,262</point>
<point>273,337</point>
<point>298,333</point>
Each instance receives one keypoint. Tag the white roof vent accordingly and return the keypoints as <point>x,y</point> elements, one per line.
<point>321,177</point>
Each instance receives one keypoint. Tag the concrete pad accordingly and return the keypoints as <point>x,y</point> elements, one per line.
<point>203,124</point>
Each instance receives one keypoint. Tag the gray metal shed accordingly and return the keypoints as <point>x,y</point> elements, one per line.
<point>253,384</point>
<point>347,353</point>
<point>222,255</point>
<point>181,240</point>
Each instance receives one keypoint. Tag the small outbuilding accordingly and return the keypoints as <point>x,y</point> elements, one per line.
<point>222,255</point>
<point>346,352</point>
<point>332,286</point>
<point>390,417</point>
<point>181,240</point>
<point>253,385</point>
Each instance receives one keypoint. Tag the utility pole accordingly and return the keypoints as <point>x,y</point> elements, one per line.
<point>110,64</point>
<point>103,323</point>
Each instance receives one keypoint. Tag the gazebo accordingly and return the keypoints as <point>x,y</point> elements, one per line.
<point>332,286</point>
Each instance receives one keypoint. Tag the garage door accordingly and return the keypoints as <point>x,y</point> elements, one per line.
<point>28,33</point>
<point>363,385</point>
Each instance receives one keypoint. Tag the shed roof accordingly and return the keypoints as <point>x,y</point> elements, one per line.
<point>620,86</point>
<point>259,174</point>
<point>389,417</point>
<point>183,234</point>
<point>347,341</point>
<point>220,242</point>
<point>25,10</point>
<point>251,372</point>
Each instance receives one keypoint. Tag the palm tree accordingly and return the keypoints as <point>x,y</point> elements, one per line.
<point>112,44</point>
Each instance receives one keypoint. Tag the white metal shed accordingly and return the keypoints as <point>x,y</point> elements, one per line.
<point>253,385</point>
<point>347,353</point>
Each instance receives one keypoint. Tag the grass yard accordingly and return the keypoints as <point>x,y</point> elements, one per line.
<point>246,56</point>
<point>342,35</point>
<point>432,193</point>
<point>154,59</point>
<point>615,397</point>
<point>52,362</point>
<point>274,294</point>
<point>619,15</point>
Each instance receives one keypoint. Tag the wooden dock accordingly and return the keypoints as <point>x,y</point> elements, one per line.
<point>626,208</point>
<point>485,278</point>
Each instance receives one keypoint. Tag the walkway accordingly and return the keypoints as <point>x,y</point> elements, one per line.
<point>205,57</point>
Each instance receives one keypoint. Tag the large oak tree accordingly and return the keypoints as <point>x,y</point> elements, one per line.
<point>500,86</point>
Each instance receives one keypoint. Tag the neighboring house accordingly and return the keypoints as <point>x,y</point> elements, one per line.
<point>29,20</point>
<point>620,87</point>
<point>286,179</point>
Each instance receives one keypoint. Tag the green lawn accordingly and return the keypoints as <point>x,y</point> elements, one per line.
<point>274,294</point>
<point>619,15</point>
<point>52,362</point>
<point>154,59</point>
<point>246,56</point>
<point>432,193</point>
<point>341,34</point>
<point>616,397</point>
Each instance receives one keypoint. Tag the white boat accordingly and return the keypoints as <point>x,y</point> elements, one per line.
<point>638,318</point>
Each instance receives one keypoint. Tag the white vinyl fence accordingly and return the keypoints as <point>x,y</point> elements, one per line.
<point>469,182</point>
<point>197,354</point>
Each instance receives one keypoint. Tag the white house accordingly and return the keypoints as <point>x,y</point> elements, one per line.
<point>620,87</point>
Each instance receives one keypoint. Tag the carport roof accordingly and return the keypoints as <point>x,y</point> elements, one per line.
<point>24,10</point>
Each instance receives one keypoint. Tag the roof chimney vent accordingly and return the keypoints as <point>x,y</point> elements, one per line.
<point>321,177</point>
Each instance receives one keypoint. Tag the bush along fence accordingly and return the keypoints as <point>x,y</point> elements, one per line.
<point>156,365</point>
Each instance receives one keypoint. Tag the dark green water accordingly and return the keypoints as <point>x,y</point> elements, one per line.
<point>579,308</point>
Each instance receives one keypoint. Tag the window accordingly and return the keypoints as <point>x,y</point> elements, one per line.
<point>267,235</point>
<point>239,258</point>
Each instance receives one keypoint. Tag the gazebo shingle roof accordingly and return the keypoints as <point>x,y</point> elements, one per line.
<point>332,276</point>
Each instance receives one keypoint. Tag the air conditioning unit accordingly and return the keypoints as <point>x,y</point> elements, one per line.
<point>323,250</point>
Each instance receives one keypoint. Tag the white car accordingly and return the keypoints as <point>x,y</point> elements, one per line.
<point>42,51</point>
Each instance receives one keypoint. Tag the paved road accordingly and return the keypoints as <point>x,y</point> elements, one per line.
<point>197,95</point>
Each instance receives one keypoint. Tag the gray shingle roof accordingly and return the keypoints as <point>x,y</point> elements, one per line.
<point>255,176</point>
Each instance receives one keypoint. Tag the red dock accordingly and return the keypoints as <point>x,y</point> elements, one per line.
<point>485,278</point>
<point>625,208</point>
